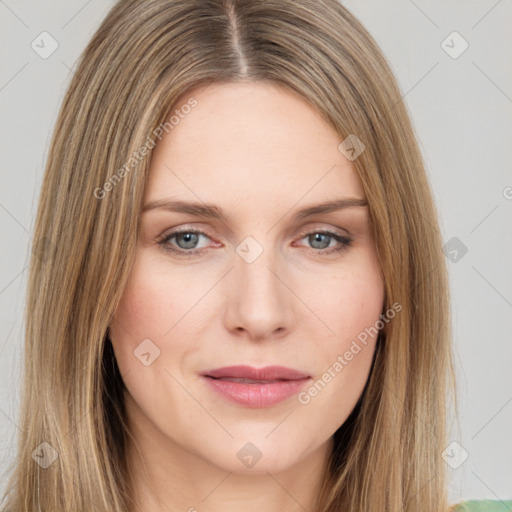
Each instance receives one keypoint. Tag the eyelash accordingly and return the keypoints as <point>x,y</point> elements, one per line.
<point>164,242</point>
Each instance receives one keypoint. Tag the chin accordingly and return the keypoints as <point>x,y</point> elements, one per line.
<point>255,455</point>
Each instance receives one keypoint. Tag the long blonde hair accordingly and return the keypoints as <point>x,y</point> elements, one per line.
<point>144,56</point>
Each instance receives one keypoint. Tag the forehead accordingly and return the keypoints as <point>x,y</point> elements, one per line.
<point>253,144</point>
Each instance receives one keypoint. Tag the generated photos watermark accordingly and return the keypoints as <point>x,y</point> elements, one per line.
<point>344,359</point>
<point>150,143</point>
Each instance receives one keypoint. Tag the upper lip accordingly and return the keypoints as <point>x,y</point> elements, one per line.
<point>249,372</point>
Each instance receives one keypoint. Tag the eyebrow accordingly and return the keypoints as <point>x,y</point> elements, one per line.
<point>212,211</point>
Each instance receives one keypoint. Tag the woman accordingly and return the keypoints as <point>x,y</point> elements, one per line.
<point>239,300</point>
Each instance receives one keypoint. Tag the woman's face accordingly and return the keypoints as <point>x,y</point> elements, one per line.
<point>236,268</point>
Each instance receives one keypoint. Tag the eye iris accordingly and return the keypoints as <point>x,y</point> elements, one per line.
<point>190,240</point>
<point>322,238</point>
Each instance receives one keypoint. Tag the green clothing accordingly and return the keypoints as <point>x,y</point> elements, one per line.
<point>484,506</point>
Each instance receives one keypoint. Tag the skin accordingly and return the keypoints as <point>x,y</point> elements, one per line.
<point>261,153</point>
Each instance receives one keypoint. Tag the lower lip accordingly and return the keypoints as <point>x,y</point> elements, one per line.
<point>256,395</point>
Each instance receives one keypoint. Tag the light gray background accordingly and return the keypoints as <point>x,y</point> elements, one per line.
<point>462,111</point>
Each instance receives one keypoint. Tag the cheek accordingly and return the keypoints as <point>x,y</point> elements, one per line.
<point>361,303</point>
<point>350,302</point>
<point>149,308</point>
<point>350,306</point>
<point>352,311</point>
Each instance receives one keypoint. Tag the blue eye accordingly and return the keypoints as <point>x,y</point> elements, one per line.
<point>322,239</point>
<point>189,240</point>
<point>185,242</point>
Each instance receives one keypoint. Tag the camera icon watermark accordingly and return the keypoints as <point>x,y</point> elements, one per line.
<point>454,45</point>
<point>44,45</point>
<point>146,352</point>
<point>455,455</point>
<point>249,455</point>
<point>351,147</point>
<point>45,455</point>
<point>249,249</point>
<point>455,249</point>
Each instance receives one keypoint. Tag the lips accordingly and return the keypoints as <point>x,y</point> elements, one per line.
<point>269,373</point>
<point>255,387</point>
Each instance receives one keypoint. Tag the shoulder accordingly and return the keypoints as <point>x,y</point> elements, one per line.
<point>483,506</point>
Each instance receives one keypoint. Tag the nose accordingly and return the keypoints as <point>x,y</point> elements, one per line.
<point>259,304</point>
